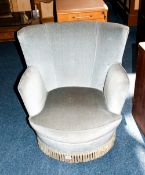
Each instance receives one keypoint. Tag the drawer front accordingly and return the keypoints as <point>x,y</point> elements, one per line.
<point>6,36</point>
<point>84,16</point>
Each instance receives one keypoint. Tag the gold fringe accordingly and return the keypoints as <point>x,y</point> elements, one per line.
<point>77,157</point>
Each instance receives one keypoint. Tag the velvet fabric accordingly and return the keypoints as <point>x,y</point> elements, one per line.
<point>74,53</point>
<point>74,87</point>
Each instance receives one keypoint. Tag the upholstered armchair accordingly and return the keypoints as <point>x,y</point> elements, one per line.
<point>74,86</point>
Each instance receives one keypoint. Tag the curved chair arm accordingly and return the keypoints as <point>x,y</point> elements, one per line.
<point>32,91</point>
<point>116,88</point>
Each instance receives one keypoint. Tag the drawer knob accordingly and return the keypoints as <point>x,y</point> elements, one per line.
<point>82,17</point>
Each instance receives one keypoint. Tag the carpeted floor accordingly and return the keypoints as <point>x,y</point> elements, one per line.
<point>19,153</point>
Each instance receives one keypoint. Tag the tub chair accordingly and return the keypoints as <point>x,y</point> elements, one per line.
<point>74,86</point>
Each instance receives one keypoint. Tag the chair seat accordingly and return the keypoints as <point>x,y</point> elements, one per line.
<point>74,115</point>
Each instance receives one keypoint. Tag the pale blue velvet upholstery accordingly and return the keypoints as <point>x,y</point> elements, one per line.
<point>73,54</point>
<point>74,87</point>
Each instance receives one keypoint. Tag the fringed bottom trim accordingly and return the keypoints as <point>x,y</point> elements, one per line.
<point>77,157</point>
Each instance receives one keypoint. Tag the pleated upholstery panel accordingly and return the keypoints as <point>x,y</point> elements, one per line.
<point>111,41</point>
<point>73,54</point>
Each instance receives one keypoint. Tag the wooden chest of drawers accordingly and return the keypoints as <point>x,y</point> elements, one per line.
<point>138,109</point>
<point>7,33</point>
<point>81,10</point>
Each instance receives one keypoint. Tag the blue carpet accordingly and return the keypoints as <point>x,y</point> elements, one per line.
<point>19,153</point>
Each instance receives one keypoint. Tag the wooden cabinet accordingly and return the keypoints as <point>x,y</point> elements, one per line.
<point>83,16</point>
<point>46,10</point>
<point>14,14</point>
<point>128,10</point>
<point>139,93</point>
<point>81,10</point>
<point>20,5</point>
<point>8,33</point>
<point>7,6</point>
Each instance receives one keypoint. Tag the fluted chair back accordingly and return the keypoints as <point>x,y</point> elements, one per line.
<point>72,55</point>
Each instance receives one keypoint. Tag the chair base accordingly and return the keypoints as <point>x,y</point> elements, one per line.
<point>80,156</point>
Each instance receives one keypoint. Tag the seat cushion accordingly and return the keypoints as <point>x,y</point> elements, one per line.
<point>74,115</point>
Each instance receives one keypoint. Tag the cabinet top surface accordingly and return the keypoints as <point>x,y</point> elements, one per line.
<point>142,44</point>
<point>64,6</point>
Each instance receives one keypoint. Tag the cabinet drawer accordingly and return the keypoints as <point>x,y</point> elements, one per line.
<point>83,16</point>
<point>6,36</point>
<point>8,33</point>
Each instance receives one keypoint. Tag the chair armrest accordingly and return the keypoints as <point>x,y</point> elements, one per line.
<point>32,91</point>
<point>116,88</point>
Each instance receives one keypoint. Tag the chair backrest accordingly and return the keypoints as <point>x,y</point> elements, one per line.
<point>73,53</point>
